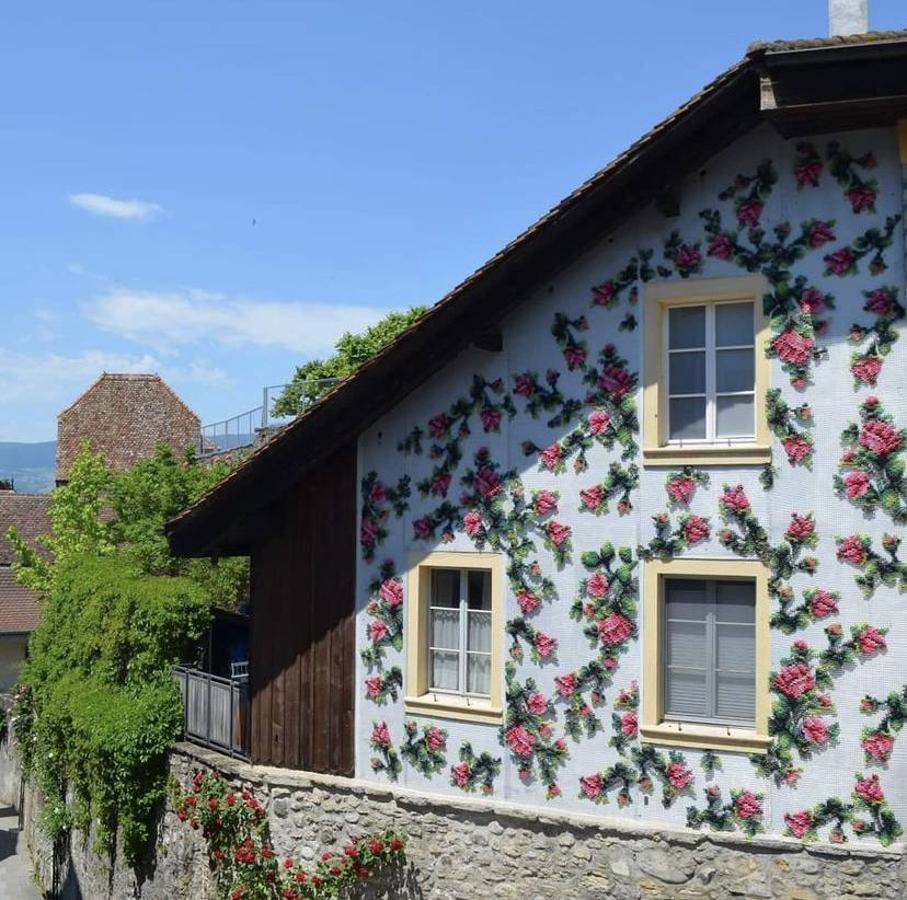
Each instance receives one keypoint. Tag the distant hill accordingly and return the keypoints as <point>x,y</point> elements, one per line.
<point>31,466</point>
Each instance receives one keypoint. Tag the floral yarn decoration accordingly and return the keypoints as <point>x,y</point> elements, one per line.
<point>689,531</point>
<point>681,485</point>
<point>807,166</point>
<point>671,769</point>
<point>579,715</point>
<point>546,397</point>
<point>527,732</point>
<point>384,686</point>
<point>710,762</point>
<point>377,502</point>
<point>686,257</point>
<point>872,465</point>
<point>595,787</point>
<point>878,741</point>
<point>873,243</point>
<point>744,811</point>
<point>473,772</point>
<point>861,192</point>
<point>873,568</point>
<point>607,600</point>
<point>867,797</point>
<point>866,363</point>
<point>749,193</point>
<point>783,420</point>
<point>385,610</point>
<point>625,718</point>
<point>817,604</point>
<point>426,752</point>
<point>448,429</point>
<point>608,293</point>
<point>619,482</point>
<point>386,758</point>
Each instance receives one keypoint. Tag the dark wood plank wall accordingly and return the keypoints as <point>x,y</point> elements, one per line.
<point>302,654</point>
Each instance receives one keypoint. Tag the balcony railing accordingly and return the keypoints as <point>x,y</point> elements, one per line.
<point>245,428</point>
<point>215,710</point>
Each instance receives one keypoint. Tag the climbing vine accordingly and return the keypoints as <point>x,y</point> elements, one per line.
<point>475,772</point>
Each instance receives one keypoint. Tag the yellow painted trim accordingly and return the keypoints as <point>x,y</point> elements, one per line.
<point>658,298</point>
<point>417,699</point>
<point>902,139</point>
<point>654,728</point>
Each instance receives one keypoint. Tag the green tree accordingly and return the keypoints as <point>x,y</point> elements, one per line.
<point>311,380</point>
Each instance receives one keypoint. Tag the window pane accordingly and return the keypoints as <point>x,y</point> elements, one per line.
<point>686,645</point>
<point>735,416</point>
<point>734,371</point>
<point>733,324</point>
<point>445,670</point>
<point>478,674</point>
<point>445,587</point>
<point>479,631</point>
<point>479,589</point>
<point>736,697</point>
<point>445,628</point>
<point>686,373</point>
<point>685,598</point>
<point>685,694</point>
<point>736,601</point>
<point>736,648</point>
<point>687,417</point>
<point>686,327</point>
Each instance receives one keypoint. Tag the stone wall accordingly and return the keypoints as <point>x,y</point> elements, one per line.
<point>463,848</point>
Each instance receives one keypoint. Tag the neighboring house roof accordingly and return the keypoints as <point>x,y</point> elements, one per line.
<point>19,606</point>
<point>125,417</point>
<point>27,513</point>
<point>800,86</point>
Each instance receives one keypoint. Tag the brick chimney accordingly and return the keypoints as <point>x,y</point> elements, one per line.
<point>848,17</point>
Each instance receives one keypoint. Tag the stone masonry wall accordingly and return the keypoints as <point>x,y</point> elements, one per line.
<point>462,848</point>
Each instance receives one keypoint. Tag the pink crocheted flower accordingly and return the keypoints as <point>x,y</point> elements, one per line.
<point>794,680</point>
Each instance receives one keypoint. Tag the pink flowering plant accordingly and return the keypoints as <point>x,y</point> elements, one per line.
<point>597,786</point>
<point>686,257</point>
<point>608,293</point>
<point>571,688</point>
<point>816,604</point>
<point>872,243</point>
<point>619,481</point>
<point>575,350</point>
<point>473,772</point>
<point>377,503</point>
<point>544,395</point>
<point>750,193</point>
<point>384,686</point>
<point>750,539</point>
<point>681,485</point>
<point>385,616</point>
<point>873,462</point>
<point>743,811</point>
<point>625,719</point>
<point>385,758</point>
<point>873,568</point>
<point>669,541</point>
<point>850,173</point>
<point>783,420</point>
<point>670,768</point>
<point>427,751</point>
<point>607,600</point>
<point>881,335</point>
<point>877,741</point>
<point>242,858</point>
<point>528,733</point>
<point>807,166</point>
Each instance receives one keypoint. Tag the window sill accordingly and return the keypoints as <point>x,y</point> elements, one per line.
<point>704,737</point>
<point>707,454</point>
<point>446,707</point>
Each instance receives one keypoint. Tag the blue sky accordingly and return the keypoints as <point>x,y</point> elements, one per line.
<point>217,190</point>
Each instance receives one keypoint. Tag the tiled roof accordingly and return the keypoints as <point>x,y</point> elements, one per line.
<point>25,512</point>
<point>125,417</point>
<point>841,40</point>
<point>19,607</point>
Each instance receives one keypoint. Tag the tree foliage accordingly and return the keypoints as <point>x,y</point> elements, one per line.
<point>351,351</point>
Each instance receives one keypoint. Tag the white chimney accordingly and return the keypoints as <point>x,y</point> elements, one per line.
<point>848,17</point>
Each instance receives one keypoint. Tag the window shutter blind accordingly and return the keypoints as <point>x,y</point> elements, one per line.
<point>686,676</point>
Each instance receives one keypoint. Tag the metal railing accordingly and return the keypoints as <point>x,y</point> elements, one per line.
<point>243,429</point>
<point>215,710</point>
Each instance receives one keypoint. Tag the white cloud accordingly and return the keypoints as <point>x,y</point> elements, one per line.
<point>165,319</point>
<point>101,205</point>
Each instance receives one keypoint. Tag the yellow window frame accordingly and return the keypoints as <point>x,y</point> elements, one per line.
<point>659,298</point>
<point>653,727</point>
<point>418,699</point>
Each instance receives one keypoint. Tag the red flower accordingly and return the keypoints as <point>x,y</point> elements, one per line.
<point>695,529</point>
<point>378,493</point>
<point>377,630</point>
<point>866,369</point>
<point>438,425</point>
<point>878,302</point>
<point>822,604</point>
<point>815,729</point>
<point>597,585</point>
<point>869,790</point>
<point>440,483</point>
<point>797,449</point>
<point>615,629</point>
<point>862,197</point>
<point>687,258</point>
<point>808,174</point>
<point>591,785</point>
<point>487,482</point>
<point>870,640</point>
<point>574,356</point>
<point>544,502</point>
<point>735,498</point>
<point>852,550</point>
<point>680,490</point>
<point>391,592</point>
<point>679,775</point>
<point>799,823</point>
<point>603,293</point>
<point>396,844</point>
<point>793,347</point>
<point>820,233</point>
<point>491,418</point>
<point>373,686</point>
<point>558,532</point>
<point>598,421</point>
<point>629,724</point>
<point>544,644</point>
<point>856,484</point>
<point>537,703</point>
<point>878,745</point>
<point>381,734</point>
<point>801,528</point>
<point>460,774</point>
<point>592,497</point>
<point>435,739</point>
<point>616,380</point>
<point>748,805</point>
<point>565,684</point>
<point>879,437</point>
<point>422,528</point>
<point>472,522</point>
<point>527,601</point>
<point>721,246</point>
<point>520,741</point>
<point>840,262</point>
<point>794,680</point>
<point>212,803</point>
<point>550,456</point>
<point>749,211</point>
<point>524,385</point>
